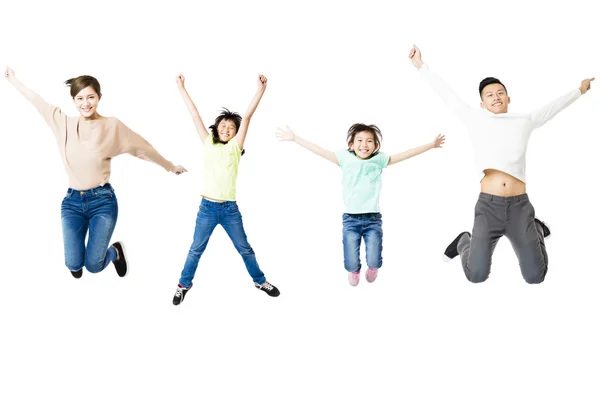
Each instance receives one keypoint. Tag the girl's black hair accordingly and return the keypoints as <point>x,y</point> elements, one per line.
<point>354,129</point>
<point>227,115</point>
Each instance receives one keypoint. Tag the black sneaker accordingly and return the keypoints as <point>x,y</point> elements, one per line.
<point>77,274</point>
<point>545,228</point>
<point>180,294</point>
<point>452,249</point>
<point>120,262</point>
<point>268,289</point>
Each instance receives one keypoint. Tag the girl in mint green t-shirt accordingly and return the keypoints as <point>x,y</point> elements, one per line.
<point>361,164</point>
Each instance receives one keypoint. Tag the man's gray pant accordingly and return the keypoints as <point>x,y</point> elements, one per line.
<point>496,216</point>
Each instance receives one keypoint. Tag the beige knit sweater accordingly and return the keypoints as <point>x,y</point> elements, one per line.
<point>87,146</point>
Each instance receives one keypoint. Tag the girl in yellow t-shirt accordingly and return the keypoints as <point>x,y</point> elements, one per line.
<point>222,151</point>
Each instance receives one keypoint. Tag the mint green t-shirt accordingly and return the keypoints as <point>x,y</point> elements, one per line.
<point>361,181</point>
<point>220,169</point>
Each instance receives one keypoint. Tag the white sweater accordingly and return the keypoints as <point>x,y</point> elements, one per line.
<point>499,140</point>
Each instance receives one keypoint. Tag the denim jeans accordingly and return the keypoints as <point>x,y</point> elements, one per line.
<point>356,227</point>
<point>228,216</point>
<point>94,211</point>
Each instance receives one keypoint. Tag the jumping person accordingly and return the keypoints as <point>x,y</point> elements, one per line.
<point>500,143</point>
<point>362,164</point>
<point>87,144</point>
<point>222,151</point>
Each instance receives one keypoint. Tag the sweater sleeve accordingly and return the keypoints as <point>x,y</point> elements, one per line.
<point>137,146</point>
<point>455,103</point>
<point>544,114</point>
<point>53,115</point>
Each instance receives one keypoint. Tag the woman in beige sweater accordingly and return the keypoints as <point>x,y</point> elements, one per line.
<point>87,143</point>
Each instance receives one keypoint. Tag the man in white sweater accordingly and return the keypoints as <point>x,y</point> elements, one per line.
<point>500,144</point>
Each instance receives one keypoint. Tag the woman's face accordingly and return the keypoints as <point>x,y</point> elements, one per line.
<point>86,102</point>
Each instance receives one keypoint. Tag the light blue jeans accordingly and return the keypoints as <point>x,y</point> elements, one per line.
<point>355,228</point>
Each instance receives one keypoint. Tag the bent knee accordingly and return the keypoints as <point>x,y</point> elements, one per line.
<point>95,267</point>
<point>536,278</point>
<point>478,276</point>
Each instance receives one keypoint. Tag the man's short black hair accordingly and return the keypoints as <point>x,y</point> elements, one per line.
<point>488,81</point>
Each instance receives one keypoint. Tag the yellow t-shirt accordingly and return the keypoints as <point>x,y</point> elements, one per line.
<point>220,169</point>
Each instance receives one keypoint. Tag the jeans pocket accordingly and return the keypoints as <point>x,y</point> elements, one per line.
<point>233,207</point>
<point>104,192</point>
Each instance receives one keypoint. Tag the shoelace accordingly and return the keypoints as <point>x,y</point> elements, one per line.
<point>179,292</point>
<point>267,286</point>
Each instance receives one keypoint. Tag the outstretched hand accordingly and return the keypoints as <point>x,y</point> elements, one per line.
<point>9,73</point>
<point>439,141</point>
<point>415,56</point>
<point>285,134</point>
<point>178,170</point>
<point>180,80</point>
<point>586,85</point>
<point>261,82</point>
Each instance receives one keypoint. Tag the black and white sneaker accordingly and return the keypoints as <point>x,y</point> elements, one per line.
<point>77,274</point>
<point>268,289</point>
<point>120,262</point>
<point>180,294</point>
<point>452,249</point>
<point>545,228</point>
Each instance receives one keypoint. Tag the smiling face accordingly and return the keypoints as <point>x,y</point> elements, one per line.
<point>226,130</point>
<point>494,98</point>
<point>363,144</point>
<point>86,102</point>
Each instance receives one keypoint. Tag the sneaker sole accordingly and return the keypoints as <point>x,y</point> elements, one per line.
<point>550,235</point>
<point>270,294</point>
<point>77,277</point>
<point>125,257</point>
<point>190,288</point>
<point>547,226</point>
<point>446,258</point>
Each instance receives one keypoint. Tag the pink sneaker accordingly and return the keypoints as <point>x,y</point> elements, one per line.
<point>354,278</point>
<point>371,274</point>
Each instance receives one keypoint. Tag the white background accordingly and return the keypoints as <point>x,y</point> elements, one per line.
<point>421,331</point>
